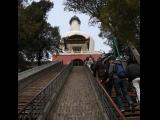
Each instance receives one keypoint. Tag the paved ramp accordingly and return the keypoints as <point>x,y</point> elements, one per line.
<point>77,100</point>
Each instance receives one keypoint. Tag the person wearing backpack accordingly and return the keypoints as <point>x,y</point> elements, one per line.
<point>118,74</point>
<point>133,73</point>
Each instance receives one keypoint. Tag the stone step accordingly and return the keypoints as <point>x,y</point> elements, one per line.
<point>133,118</point>
<point>127,113</point>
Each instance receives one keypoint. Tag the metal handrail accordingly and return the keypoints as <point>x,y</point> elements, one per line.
<point>109,106</point>
<point>35,107</point>
<point>122,117</point>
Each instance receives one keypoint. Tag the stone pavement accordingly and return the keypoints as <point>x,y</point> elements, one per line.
<point>76,100</point>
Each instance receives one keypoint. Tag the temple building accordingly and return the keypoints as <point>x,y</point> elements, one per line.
<point>76,45</point>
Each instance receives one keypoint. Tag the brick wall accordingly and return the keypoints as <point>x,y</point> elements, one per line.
<point>68,58</point>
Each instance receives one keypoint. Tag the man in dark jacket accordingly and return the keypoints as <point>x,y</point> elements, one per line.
<point>100,69</point>
<point>108,83</point>
<point>133,73</point>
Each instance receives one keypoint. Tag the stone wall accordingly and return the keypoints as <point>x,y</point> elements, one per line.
<point>26,77</point>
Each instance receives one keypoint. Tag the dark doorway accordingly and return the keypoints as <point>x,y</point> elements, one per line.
<point>77,62</point>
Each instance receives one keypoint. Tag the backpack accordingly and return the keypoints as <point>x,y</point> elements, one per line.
<point>120,71</point>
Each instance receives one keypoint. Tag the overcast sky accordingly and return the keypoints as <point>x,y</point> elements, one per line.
<point>58,17</point>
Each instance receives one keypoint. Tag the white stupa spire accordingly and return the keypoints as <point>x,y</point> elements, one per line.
<point>75,23</point>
